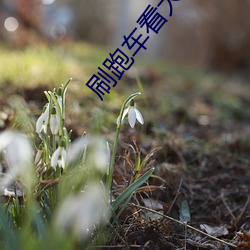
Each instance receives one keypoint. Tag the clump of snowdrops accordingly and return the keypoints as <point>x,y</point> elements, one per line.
<point>61,190</point>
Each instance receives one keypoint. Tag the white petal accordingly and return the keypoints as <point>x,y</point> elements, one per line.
<point>39,123</point>
<point>55,156</point>
<point>59,99</point>
<point>132,117</point>
<point>63,158</point>
<point>18,157</point>
<point>5,139</point>
<point>54,124</point>
<point>44,127</point>
<point>46,113</point>
<point>77,148</point>
<point>78,214</point>
<point>139,116</point>
<point>125,112</point>
<point>101,155</point>
<point>19,151</point>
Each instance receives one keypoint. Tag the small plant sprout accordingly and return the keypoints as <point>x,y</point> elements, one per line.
<point>133,114</point>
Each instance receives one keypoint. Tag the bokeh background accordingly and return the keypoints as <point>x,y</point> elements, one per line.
<point>213,34</point>
<point>195,84</point>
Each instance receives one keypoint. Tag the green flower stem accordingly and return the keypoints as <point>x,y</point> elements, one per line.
<point>65,87</point>
<point>54,142</point>
<point>112,164</point>
<point>52,95</point>
<point>47,137</point>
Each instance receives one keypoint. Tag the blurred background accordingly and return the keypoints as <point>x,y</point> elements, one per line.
<point>213,34</point>
<point>200,59</point>
<point>195,89</point>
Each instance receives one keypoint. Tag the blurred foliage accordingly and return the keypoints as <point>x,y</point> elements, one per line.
<point>37,65</point>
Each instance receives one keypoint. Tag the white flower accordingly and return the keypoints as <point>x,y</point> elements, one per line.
<point>42,122</point>
<point>98,152</point>
<point>79,214</point>
<point>17,152</point>
<point>59,157</point>
<point>133,114</point>
<point>54,121</point>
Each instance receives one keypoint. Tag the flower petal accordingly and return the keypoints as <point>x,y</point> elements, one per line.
<point>63,158</point>
<point>46,113</point>
<point>79,214</point>
<point>39,123</point>
<point>125,112</point>
<point>44,127</point>
<point>5,138</point>
<point>55,156</point>
<point>59,99</point>
<point>139,116</point>
<point>132,117</point>
<point>54,124</point>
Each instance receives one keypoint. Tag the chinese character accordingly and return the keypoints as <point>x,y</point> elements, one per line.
<point>153,22</point>
<point>136,40</point>
<point>121,61</point>
<point>159,4</point>
<point>170,4</point>
<point>99,87</point>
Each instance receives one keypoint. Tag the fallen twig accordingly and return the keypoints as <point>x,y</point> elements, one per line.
<point>184,224</point>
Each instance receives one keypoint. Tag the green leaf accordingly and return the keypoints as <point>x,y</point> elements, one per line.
<point>129,190</point>
<point>10,236</point>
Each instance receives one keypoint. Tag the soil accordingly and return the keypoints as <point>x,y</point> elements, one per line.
<point>202,176</point>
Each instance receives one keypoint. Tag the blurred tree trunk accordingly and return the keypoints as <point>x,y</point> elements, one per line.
<point>214,33</point>
<point>28,14</point>
<point>229,35</point>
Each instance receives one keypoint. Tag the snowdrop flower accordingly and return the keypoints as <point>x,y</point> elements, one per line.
<point>54,121</point>
<point>42,122</point>
<point>59,157</point>
<point>98,152</point>
<point>79,214</point>
<point>17,152</point>
<point>133,114</point>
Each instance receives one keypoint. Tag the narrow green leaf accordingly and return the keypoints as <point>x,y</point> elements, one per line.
<point>10,236</point>
<point>138,163</point>
<point>122,209</point>
<point>128,191</point>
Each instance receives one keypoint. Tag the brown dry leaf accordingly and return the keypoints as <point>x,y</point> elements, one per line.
<point>245,236</point>
<point>215,231</point>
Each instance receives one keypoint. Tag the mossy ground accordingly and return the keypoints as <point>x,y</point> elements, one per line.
<point>200,120</point>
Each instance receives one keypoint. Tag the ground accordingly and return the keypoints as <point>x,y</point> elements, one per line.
<point>197,124</point>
